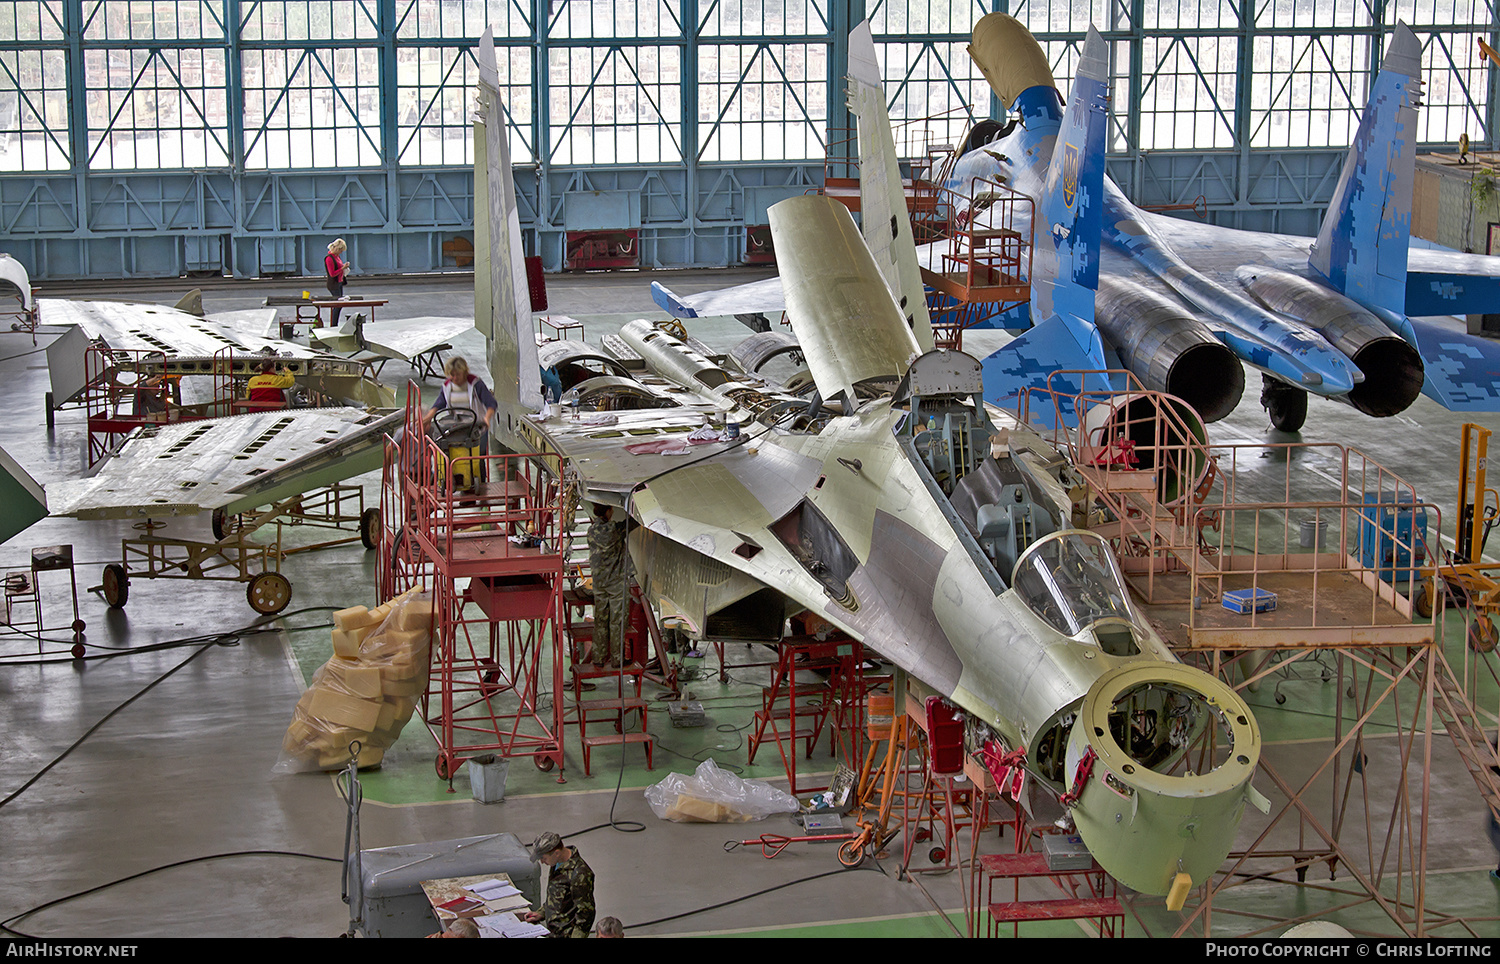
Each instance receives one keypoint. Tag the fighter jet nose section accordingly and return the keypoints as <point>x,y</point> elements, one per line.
<point>1159,765</point>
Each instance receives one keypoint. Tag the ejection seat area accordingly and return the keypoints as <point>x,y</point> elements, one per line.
<point>987,491</point>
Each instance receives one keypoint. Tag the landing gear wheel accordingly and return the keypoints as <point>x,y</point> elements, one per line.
<point>116,586</point>
<point>1421,603</point>
<point>1286,406</point>
<point>544,763</point>
<point>268,593</point>
<point>1482,635</point>
<point>852,853</point>
<point>219,522</point>
<point>445,766</point>
<point>369,528</point>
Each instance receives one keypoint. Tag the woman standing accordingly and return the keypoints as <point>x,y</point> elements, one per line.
<point>336,269</point>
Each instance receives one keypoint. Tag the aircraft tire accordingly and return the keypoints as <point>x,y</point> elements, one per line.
<point>1287,408</point>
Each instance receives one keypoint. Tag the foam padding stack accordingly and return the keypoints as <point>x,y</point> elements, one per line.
<point>368,689</point>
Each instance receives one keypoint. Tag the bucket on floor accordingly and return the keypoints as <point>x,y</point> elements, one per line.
<point>1314,531</point>
<point>487,778</point>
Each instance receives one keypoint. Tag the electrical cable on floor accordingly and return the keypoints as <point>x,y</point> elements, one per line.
<point>204,643</point>
<point>110,652</point>
<point>5,924</point>
<point>737,900</point>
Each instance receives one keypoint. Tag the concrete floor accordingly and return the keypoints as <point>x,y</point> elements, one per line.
<point>182,775</point>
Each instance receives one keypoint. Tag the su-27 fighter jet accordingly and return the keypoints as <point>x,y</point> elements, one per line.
<point>1181,304</point>
<point>891,505</point>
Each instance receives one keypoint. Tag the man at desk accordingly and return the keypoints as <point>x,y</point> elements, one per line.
<point>269,385</point>
<point>569,910</point>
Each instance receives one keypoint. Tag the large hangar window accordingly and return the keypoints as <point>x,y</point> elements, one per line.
<point>33,111</point>
<point>436,72</point>
<point>614,87</point>
<point>704,113</point>
<point>763,81</point>
<point>156,94</point>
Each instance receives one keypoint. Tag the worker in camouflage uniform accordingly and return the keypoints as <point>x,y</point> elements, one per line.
<point>607,568</point>
<point>569,910</point>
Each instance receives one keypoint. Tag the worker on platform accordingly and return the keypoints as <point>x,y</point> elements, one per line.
<point>464,390</point>
<point>569,909</point>
<point>270,384</point>
<point>606,540</point>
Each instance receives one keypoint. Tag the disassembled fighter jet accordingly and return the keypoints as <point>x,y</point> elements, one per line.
<point>890,504</point>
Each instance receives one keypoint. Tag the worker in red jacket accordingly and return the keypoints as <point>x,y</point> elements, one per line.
<point>337,270</point>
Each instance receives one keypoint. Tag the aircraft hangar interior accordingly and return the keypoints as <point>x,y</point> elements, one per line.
<point>749,468</point>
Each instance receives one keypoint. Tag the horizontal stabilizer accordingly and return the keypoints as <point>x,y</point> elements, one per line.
<point>1450,283</point>
<point>763,297</point>
<point>668,300</point>
<point>1026,366</point>
<point>1463,371</point>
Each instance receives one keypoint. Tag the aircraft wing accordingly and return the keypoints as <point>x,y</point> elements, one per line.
<point>158,328</point>
<point>235,464</point>
<point>248,324</point>
<point>755,298</point>
<point>403,339</point>
<point>601,450</point>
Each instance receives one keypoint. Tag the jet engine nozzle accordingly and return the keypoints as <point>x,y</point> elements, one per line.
<point>1168,349</point>
<point>1152,432</point>
<point>1159,764</point>
<point>1393,370</point>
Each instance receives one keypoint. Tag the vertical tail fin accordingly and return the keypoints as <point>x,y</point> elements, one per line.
<point>1066,225</point>
<point>1363,243</point>
<point>502,303</point>
<point>1069,214</point>
<point>886,224</point>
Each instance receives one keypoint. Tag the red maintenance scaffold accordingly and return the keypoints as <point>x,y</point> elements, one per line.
<point>492,554</point>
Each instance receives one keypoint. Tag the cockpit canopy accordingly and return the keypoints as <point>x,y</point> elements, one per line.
<point>1070,580</point>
